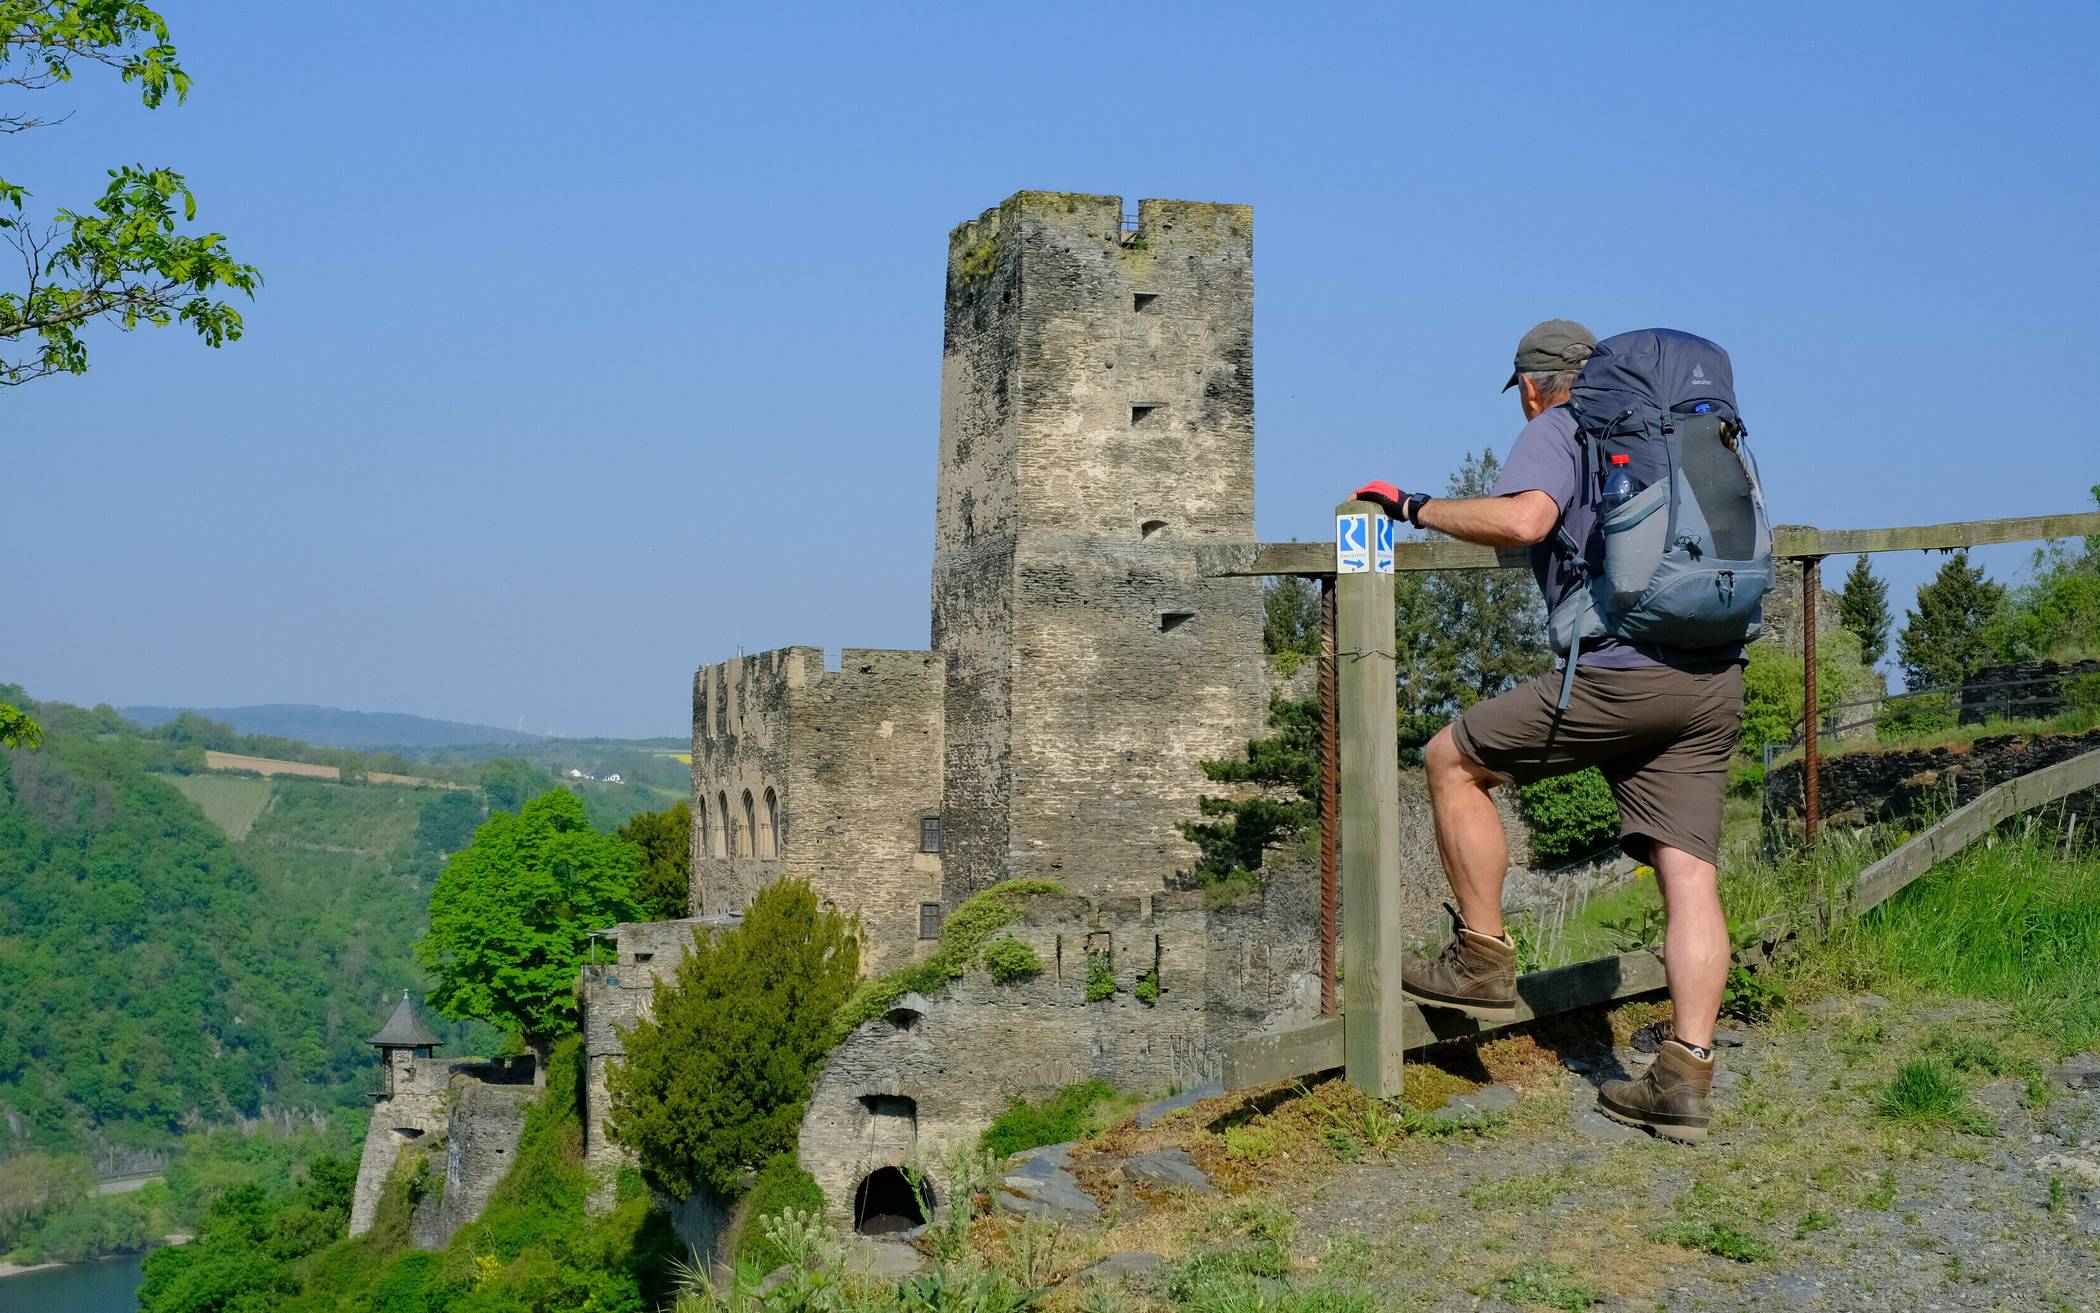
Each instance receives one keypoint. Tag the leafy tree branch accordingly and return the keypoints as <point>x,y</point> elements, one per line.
<point>123,261</point>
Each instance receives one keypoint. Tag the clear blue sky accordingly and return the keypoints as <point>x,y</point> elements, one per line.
<point>602,341</point>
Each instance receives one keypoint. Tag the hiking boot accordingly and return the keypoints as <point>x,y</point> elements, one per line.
<point>1670,1098</point>
<point>1475,974</point>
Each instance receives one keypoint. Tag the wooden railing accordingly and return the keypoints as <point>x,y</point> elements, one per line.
<point>1359,695</point>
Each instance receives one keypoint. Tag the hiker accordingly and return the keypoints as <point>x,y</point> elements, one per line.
<point>1651,689</point>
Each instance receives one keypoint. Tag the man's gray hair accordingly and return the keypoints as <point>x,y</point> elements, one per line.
<point>1554,383</point>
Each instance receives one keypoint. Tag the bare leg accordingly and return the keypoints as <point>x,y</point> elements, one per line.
<point>1469,835</point>
<point>1695,944</point>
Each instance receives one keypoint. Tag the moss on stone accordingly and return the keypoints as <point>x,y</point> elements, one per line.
<point>979,260</point>
<point>963,937</point>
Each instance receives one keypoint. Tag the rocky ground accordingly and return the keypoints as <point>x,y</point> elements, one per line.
<point>1818,1190</point>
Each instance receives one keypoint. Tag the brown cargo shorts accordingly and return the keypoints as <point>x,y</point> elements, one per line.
<point>1661,736</point>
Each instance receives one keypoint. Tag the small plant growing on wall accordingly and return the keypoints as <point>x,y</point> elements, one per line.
<point>1147,991</point>
<point>1011,961</point>
<point>1100,978</point>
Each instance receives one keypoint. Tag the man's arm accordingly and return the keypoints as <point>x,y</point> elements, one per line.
<point>1517,520</point>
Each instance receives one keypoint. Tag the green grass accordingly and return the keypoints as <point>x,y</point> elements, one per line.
<point>1925,1094</point>
<point>1073,1113</point>
<point>231,802</point>
<point>1553,1285</point>
<point>1718,1238</point>
<point>2014,922</point>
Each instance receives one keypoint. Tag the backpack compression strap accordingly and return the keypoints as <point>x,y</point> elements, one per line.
<point>1578,563</point>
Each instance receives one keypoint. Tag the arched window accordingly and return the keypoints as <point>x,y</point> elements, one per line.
<point>707,832</point>
<point>772,830</point>
<point>726,847</point>
<point>750,826</point>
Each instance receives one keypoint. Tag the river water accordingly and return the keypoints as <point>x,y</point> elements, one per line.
<point>108,1285</point>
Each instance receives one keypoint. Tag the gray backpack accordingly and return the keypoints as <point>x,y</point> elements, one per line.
<point>1685,564</point>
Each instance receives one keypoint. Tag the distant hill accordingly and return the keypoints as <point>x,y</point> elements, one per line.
<point>332,727</point>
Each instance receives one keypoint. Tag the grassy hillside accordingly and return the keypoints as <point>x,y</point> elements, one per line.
<point>231,802</point>
<point>154,973</point>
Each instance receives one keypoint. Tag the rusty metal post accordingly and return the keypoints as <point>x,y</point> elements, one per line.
<point>1330,785</point>
<point>1811,755</point>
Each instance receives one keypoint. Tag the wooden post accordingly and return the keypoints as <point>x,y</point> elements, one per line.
<point>1330,793</point>
<point>1811,750</point>
<point>1367,698</point>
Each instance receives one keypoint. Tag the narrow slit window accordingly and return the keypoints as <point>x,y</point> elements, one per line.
<point>1142,411</point>
<point>1144,302</point>
<point>1169,621</point>
<point>929,834</point>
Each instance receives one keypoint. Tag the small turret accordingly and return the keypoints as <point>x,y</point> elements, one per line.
<point>402,1040</point>
<point>404,1030</point>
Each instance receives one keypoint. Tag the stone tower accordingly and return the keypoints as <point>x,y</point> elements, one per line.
<point>1097,430</point>
<point>409,1105</point>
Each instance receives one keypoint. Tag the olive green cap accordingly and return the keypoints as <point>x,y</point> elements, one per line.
<point>1551,347</point>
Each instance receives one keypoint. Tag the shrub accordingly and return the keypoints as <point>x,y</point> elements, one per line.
<point>1009,960</point>
<point>1571,816</point>
<point>782,1185</point>
<point>1100,978</point>
<point>1069,1114</point>
<point>1147,991</point>
<point>716,1082</point>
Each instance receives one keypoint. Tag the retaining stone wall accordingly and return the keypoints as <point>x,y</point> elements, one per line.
<point>1906,786</point>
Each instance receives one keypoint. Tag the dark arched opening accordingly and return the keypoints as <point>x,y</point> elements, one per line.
<point>884,1203</point>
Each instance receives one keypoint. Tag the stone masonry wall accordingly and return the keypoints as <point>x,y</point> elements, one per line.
<point>421,1113</point>
<point>1097,430</point>
<point>926,1079</point>
<point>1879,787</point>
<point>480,1141</point>
<point>414,1110</point>
<point>740,743</point>
<point>864,765</point>
<point>852,758</point>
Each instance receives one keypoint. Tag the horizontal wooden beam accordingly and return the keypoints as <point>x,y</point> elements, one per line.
<point>1796,541</point>
<point>1316,1046</point>
<point>1789,541</point>
<point>1315,559</point>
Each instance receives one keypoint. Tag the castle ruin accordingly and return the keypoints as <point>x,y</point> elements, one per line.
<point>1096,446</point>
<point>1097,434</point>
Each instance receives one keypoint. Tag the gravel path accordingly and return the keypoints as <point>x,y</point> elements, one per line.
<point>1804,1198</point>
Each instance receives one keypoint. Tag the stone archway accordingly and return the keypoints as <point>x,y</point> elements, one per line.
<point>885,1202</point>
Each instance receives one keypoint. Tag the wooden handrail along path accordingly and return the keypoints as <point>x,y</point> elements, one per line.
<point>1376,1027</point>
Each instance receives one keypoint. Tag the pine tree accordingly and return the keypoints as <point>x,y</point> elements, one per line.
<point>1863,608</point>
<point>1944,637</point>
<point>716,1080</point>
<point>1290,631</point>
<point>1230,845</point>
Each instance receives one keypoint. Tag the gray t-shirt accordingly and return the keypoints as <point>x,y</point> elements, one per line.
<point>1547,458</point>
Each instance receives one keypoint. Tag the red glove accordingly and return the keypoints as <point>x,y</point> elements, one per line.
<point>1385,494</point>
